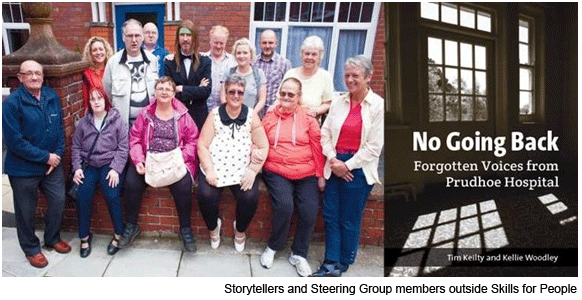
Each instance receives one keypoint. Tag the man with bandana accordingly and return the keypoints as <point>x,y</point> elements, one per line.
<point>130,74</point>
<point>191,72</point>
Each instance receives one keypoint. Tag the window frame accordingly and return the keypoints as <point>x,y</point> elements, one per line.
<point>12,25</point>
<point>461,34</point>
<point>537,52</point>
<point>336,26</point>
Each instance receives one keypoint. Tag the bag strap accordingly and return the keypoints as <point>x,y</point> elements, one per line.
<point>96,138</point>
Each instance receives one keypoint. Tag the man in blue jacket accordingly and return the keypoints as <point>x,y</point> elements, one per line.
<point>32,126</point>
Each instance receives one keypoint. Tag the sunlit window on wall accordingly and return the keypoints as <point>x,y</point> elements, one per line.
<point>526,67</point>
<point>455,14</point>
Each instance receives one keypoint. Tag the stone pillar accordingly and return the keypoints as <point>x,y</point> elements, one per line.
<point>62,69</point>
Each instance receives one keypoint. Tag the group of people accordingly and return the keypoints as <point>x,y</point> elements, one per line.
<point>159,119</point>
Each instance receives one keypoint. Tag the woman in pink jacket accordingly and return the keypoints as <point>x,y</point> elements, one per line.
<point>161,127</point>
<point>293,173</point>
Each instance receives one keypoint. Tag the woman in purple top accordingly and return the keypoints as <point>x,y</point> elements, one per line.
<point>105,165</point>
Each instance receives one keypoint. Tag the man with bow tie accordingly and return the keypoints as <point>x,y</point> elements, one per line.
<point>191,72</point>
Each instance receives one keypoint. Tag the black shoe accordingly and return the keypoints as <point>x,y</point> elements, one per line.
<point>188,239</point>
<point>327,270</point>
<point>129,233</point>
<point>112,249</point>
<point>343,267</point>
<point>86,251</point>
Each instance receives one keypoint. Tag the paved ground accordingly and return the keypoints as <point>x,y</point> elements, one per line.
<point>163,257</point>
<point>152,256</point>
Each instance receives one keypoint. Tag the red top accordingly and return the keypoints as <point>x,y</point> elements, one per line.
<point>351,133</point>
<point>91,79</point>
<point>294,144</point>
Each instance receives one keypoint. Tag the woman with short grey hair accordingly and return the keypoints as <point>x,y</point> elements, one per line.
<point>352,138</point>
<point>317,83</point>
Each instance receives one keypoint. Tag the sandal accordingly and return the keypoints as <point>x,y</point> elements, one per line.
<point>215,235</point>
<point>239,239</point>
<point>111,248</point>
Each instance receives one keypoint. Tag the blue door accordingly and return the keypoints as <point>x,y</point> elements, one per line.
<point>144,13</point>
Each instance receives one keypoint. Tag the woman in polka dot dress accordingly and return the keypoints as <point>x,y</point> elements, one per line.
<point>224,149</point>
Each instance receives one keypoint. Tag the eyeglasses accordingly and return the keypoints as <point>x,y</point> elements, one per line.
<point>286,94</point>
<point>29,74</point>
<point>234,93</point>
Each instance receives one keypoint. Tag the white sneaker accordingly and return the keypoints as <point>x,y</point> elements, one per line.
<point>301,264</point>
<point>239,240</point>
<point>267,258</point>
<point>215,238</point>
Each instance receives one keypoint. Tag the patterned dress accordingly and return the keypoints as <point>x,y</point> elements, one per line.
<point>230,148</point>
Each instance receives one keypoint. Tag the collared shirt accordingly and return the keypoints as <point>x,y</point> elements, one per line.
<point>219,68</point>
<point>274,69</point>
<point>372,139</point>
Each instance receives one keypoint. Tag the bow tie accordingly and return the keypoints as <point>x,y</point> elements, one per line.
<point>185,57</point>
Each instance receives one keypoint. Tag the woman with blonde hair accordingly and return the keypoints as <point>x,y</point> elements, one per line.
<point>256,83</point>
<point>97,52</point>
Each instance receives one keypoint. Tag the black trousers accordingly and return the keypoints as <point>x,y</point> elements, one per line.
<point>209,196</point>
<point>181,190</point>
<point>25,194</point>
<point>284,194</point>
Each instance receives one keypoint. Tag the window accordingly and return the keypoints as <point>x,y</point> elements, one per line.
<point>526,68</point>
<point>457,81</point>
<point>14,30</point>
<point>454,14</point>
<point>457,44</point>
<point>349,27</point>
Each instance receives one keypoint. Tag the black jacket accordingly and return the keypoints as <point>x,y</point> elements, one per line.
<point>193,96</point>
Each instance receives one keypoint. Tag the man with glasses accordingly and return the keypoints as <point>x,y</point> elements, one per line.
<point>150,44</point>
<point>33,131</point>
<point>130,74</point>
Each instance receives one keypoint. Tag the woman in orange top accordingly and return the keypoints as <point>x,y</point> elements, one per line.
<point>97,51</point>
<point>293,173</point>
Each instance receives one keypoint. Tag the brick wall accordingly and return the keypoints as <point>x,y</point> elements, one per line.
<point>158,213</point>
<point>71,24</point>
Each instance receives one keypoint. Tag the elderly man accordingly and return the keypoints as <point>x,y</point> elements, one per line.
<point>191,72</point>
<point>130,74</point>
<point>150,44</point>
<point>221,62</point>
<point>33,130</point>
<point>273,64</point>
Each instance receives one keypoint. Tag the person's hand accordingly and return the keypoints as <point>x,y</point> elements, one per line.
<point>113,178</point>
<point>169,56</point>
<point>312,112</point>
<point>248,179</point>
<point>204,82</point>
<point>257,156</point>
<point>54,160</point>
<point>140,168</point>
<point>340,169</point>
<point>211,178</point>
<point>179,88</point>
<point>78,176</point>
<point>321,183</point>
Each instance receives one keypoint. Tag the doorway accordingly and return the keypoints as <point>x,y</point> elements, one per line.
<point>144,13</point>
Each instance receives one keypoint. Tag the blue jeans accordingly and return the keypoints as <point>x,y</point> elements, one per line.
<point>25,194</point>
<point>343,205</point>
<point>94,176</point>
